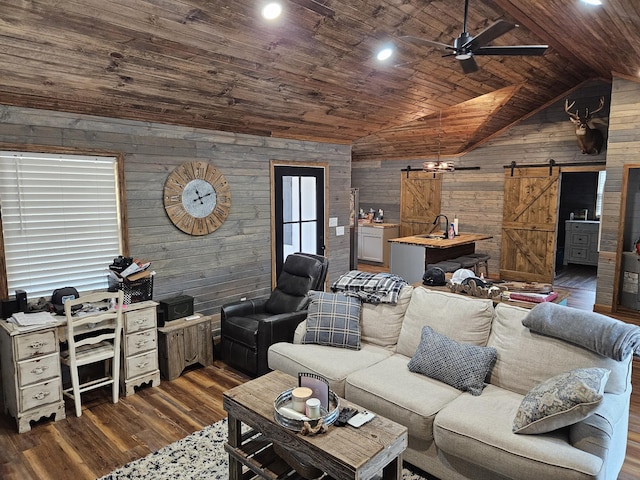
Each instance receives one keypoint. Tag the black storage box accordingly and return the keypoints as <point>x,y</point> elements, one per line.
<point>134,290</point>
<point>175,307</point>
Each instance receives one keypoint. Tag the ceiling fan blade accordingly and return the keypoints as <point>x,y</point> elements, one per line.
<point>468,65</point>
<point>512,50</point>
<point>426,43</point>
<point>490,33</point>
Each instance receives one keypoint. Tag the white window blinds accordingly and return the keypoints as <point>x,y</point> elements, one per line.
<point>59,220</point>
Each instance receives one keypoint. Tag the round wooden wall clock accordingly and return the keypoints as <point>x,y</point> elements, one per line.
<point>197,198</point>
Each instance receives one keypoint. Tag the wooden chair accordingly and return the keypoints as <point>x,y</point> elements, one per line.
<point>92,338</point>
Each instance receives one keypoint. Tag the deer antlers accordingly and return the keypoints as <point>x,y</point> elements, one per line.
<point>587,115</point>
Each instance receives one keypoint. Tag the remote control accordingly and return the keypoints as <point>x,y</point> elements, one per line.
<point>345,414</point>
<point>361,418</point>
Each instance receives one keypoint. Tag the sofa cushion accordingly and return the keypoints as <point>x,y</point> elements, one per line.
<point>561,400</point>
<point>461,318</point>
<point>332,363</point>
<point>380,323</point>
<point>333,320</point>
<point>460,365</point>
<point>391,390</point>
<point>478,430</point>
<point>517,347</point>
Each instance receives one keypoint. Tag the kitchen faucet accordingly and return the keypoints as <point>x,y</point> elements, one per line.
<point>435,222</point>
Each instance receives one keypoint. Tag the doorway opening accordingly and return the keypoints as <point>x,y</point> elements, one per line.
<point>578,232</point>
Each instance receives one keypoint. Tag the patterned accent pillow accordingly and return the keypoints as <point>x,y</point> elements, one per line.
<point>460,365</point>
<point>334,320</point>
<point>561,400</point>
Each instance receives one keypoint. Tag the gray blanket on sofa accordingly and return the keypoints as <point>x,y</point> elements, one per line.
<point>598,333</point>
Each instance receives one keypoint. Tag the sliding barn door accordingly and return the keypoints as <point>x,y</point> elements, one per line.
<point>529,224</point>
<point>419,202</point>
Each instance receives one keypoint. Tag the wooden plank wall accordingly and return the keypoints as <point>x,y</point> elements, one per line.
<point>235,260</point>
<point>623,148</point>
<point>476,196</point>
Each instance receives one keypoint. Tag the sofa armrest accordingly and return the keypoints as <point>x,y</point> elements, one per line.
<point>598,433</point>
<point>242,308</point>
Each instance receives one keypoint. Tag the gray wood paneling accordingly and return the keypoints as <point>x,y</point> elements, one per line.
<point>476,196</point>
<point>235,260</point>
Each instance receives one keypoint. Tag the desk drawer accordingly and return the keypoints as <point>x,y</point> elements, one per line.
<point>35,344</point>
<point>141,364</point>
<point>141,342</point>
<point>40,394</point>
<point>38,369</point>
<point>137,320</point>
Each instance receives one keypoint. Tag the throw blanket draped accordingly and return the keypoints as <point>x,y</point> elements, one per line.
<point>598,333</point>
<point>370,287</point>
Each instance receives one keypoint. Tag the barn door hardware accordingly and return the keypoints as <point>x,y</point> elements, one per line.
<point>552,163</point>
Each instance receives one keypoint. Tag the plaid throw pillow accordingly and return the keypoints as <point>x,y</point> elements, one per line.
<point>460,365</point>
<point>333,320</point>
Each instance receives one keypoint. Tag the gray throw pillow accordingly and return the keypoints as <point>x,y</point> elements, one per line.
<point>460,365</point>
<point>561,400</point>
<point>333,320</point>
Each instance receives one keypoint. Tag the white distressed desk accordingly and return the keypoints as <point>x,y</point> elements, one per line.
<point>30,363</point>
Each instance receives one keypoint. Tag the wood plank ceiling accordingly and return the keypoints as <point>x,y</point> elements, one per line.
<point>312,74</point>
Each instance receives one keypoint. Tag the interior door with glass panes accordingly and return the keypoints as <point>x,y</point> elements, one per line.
<point>298,199</point>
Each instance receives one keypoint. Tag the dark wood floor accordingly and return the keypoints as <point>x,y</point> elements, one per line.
<point>108,436</point>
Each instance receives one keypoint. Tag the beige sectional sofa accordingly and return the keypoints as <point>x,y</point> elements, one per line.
<point>454,434</point>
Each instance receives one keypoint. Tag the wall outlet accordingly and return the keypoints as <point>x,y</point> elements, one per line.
<point>242,299</point>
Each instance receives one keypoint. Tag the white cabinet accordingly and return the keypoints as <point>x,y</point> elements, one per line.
<point>140,348</point>
<point>581,242</point>
<point>373,245</point>
<point>31,380</point>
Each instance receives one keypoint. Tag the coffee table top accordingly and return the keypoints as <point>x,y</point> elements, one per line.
<point>342,452</point>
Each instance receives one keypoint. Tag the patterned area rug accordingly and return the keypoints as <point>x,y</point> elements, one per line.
<point>198,456</point>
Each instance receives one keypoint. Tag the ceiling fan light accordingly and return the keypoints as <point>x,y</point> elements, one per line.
<point>463,56</point>
<point>592,2</point>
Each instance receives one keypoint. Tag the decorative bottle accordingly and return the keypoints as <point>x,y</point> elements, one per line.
<point>455,225</point>
<point>452,232</point>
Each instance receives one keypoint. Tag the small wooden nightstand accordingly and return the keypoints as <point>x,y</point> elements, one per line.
<point>182,343</point>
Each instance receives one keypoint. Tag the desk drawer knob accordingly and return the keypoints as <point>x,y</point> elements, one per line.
<point>142,364</point>
<point>141,343</point>
<point>41,395</point>
<point>37,345</point>
<point>39,370</point>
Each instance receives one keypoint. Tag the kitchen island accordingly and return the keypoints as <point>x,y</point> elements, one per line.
<point>411,255</point>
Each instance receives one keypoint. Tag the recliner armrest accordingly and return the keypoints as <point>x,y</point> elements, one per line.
<point>242,308</point>
<point>281,327</point>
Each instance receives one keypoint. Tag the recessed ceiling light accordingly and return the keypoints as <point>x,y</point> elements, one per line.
<point>384,54</point>
<point>271,11</point>
<point>592,2</point>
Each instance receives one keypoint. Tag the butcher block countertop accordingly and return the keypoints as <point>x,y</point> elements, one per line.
<point>378,225</point>
<point>425,241</point>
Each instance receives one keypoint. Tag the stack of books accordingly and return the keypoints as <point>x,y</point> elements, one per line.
<point>533,297</point>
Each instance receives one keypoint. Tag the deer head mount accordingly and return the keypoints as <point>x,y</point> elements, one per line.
<point>590,140</point>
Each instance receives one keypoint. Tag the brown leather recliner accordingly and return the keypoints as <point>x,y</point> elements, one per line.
<point>250,327</point>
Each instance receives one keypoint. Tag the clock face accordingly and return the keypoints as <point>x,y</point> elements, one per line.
<point>197,198</point>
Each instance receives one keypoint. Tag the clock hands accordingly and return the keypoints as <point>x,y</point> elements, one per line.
<point>200,197</point>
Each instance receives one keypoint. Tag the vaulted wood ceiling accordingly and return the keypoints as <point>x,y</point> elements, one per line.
<point>312,74</point>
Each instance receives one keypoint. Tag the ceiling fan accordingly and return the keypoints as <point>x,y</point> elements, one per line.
<point>466,46</point>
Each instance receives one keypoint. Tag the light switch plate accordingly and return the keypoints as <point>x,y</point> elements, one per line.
<point>333,221</point>
<point>339,231</point>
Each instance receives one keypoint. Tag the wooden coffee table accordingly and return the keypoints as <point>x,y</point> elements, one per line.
<point>344,453</point>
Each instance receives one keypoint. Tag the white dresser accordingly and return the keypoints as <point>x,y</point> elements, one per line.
<point>140,347</point>
<point>581,242</point>
<point>31,379</point>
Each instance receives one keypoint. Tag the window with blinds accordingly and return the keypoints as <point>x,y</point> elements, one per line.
<point>60,220</point>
